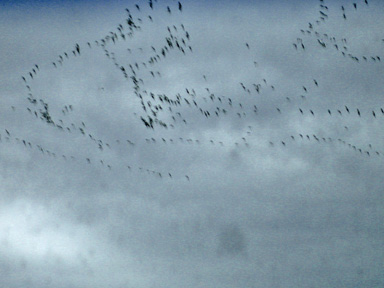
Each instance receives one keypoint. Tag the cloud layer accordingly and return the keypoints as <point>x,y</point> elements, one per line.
<point>262,167</point>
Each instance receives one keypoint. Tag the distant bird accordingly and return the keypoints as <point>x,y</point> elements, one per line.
<point>180,6</point>
<point>358,112</point>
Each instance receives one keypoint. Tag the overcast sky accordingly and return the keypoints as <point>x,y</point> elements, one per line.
<point>264,168</point>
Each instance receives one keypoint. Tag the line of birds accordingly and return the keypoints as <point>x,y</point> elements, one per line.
<point>325,40</point>
<point>9,138</point>
<point>160,110</point>
<point>308,137</point>
<point>172,41</point>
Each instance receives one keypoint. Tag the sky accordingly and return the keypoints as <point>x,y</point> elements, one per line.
<point>231,144</point>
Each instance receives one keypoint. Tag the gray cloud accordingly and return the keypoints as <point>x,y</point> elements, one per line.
<point>261,195</point>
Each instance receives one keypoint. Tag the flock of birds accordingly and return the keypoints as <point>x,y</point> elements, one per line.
<point>162,111</point>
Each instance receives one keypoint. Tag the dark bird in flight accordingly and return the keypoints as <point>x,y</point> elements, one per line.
<point>180,6</point>
<point>358,112</point>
